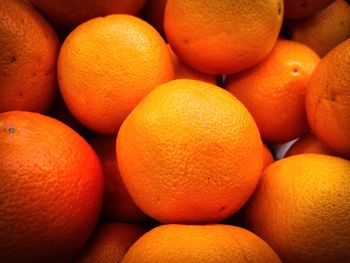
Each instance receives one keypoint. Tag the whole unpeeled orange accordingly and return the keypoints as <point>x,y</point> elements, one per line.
<point>220,37</point>
<point>301,208</point>
<point>190,152</point>
<point>51,189</point>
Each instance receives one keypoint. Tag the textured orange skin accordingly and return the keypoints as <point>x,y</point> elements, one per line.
<point>118,205</point>
<point>29,48</point>
<point>274,91</point>
<point>324,30</point>
<point>109,243</point>
<point>71,13</point>
<point>196,244</point>
<point>189,153</point>
<point>268,158</point>
<point>51,189</point>
<point>301,208</point>
<point>328,99</point>
<point>154,13</point>
<point>303,8</point>
<point>107,65</point>
<point>221,37</point>
<point>182,71</point>
<point>310,144</point>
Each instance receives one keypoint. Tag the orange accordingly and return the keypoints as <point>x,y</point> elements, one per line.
<point>196,244</point>
<point>274,91</point>
<point>72,13</point>
<point>154,13</point>
<point>220,37</point>
<point>328,99</point>
<point>190,152</point>
<point>268,157</point>
<point>118,205</point>
<point>51,189</point>
<point>309,144</point>
<point>29,48</point>
<point>109,243</point>
<point>324,30</point>
<point>301,208</point>
<point>107,65</point>
<point>303,8</point>
<point>182,71</point>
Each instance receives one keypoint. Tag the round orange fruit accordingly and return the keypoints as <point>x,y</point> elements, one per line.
<point>274,91</point>
<point>51,189</point>
<point>190,152</point>
<point>29,48</point>
<point>107,65</point>
<point>301,208</point>
<point>196,244</point>
<point>220,37</point>
<point>328,99</point>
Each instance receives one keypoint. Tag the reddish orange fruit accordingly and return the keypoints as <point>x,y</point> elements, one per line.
<point>51,189</point>
<point>328,99</point>
<point>118,205</point>
<point>220,37</point>
<point>29,48</point>
<point>190,152</point>
<point>109,243</point>
<point>274,91</point>
<point>74,12</point>
<point>301,208</point>
<point>193,243</point>
<point>102,72</point>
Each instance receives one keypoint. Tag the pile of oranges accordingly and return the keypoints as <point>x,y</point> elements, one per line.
<point>148,131</point>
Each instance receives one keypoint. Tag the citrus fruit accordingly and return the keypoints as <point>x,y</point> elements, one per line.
<point>274,91</point>
<point>118,205</point>
<point>309,144</point>
<point>102,72</point>
<point>182,71</point>
<point>190,152</point>
<point>328,99</point>
<point>301,208</point>
<point>109,243</point>
<point>303,8</point>
<point>195,244</point>
<point>51,189</point>
<point>29,48</point>
<point>69,14</point>
<point>324,30</point>
<point>220,37</point>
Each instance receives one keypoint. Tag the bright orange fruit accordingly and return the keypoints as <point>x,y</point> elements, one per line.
<point>107,65</point>
<point>190,152</point>
<point>301,208</point>
<point>195,244</point>
<point>220,37</point>
<point>274,91</point>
